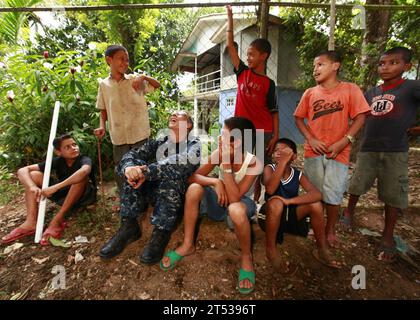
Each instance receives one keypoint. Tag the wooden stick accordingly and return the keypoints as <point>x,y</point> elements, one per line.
<point>47,171</point>
<point>101,181</point>
<point>331,39</point>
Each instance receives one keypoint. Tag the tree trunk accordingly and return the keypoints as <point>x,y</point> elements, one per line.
<point>331,42</point>
<point>374,43</point>
<point>263,15</point>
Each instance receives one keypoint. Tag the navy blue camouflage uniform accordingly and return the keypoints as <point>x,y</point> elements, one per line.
<point>169,165</point>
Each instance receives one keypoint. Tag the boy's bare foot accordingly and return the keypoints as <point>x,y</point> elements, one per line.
<point>56,223</point>
<point>323,255</point>
<point>28,225</point>
<point>332,241</point>
<point>183,250</point>
<point>280,264</point>
<point>24,230</point>
<point>387,252</point>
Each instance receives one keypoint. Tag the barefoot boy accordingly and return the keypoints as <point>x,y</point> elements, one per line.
<point>286,209</point>
<point>329,107</point>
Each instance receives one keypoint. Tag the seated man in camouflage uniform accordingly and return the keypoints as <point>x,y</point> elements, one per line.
<point>162,182</point>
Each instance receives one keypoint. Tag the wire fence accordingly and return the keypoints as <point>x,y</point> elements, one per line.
<point>203,54</point>
<point>214,86</point>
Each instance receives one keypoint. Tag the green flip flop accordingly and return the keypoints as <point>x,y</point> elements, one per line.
<point>174,257</point>
<point>250,275</point>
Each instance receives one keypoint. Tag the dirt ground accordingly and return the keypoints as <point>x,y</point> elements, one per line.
<point>211,273</point>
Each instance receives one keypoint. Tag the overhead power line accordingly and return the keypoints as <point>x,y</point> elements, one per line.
<point>141,6</point>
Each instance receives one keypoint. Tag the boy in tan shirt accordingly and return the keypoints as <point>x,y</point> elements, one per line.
<point>121,100</point>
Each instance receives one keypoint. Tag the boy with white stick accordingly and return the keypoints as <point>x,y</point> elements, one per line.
<point>72,185</point>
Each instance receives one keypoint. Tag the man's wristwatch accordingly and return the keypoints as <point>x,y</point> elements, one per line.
<point>351,138</point>
<point>227,170</point>
<point>145,170</point>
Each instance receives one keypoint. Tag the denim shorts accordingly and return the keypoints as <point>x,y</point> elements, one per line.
<point>391,170</point>
<point>329,176</point>
<point>210,207</point>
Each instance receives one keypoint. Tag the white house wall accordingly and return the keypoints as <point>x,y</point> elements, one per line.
<point>207,30</point>
<point>288,67</point>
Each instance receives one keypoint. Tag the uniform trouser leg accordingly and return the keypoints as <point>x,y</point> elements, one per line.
<point>169,200</point>
<point>134,202</point>
<point>118,152</point>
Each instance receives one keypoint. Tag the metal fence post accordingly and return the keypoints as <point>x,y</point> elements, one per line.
<point>264,10</point>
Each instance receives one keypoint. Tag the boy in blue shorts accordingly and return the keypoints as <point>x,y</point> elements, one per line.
<point>335,111</point>
<point>229,195</point>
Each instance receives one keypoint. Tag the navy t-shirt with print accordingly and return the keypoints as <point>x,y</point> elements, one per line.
<point>393,111</point>
<point>62,171</point>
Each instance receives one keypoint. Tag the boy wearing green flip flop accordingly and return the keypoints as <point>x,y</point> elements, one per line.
<point>384,147</point>
<point>286,210</point>
<point>227,196</point>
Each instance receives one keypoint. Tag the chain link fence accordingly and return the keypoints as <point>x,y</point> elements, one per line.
<point>207,78</point>
<point>213,87</point>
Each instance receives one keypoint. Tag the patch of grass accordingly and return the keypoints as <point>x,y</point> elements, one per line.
<point>94,217</point>
<point>108,174</point>
<point>10,187</point>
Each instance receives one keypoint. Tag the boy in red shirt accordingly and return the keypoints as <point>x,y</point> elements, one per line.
<point>256,95</point>
<point>328,108</point>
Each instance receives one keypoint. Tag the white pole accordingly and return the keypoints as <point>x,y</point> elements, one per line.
<point>47,171</point>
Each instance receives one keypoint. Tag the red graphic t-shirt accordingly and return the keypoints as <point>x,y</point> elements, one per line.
<point>328,112</point>
<point>256,98</point>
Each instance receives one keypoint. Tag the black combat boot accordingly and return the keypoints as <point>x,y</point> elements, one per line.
<point>128,232</point>
<point>155,249</point>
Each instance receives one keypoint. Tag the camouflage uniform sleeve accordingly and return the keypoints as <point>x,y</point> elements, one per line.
<point>183,164</point>
<point>138,156</point>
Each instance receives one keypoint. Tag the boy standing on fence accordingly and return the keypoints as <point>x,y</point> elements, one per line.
<point>122,103</point>
<point>256,95</point>
<point>328,108</point>
<point>384,147</point>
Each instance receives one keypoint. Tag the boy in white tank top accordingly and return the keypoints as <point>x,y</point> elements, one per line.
<point>229,195</point>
